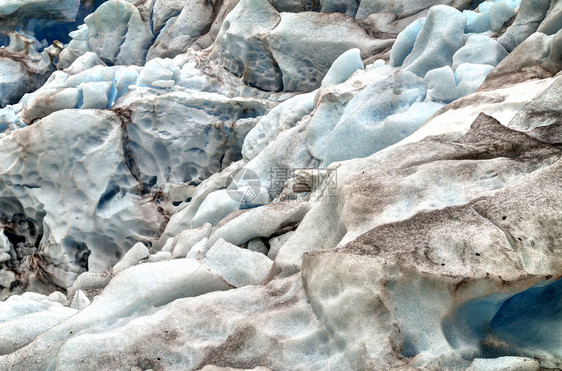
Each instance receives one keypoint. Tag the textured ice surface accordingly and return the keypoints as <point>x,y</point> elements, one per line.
<point>440,37</point>
<point>239,267</point>
<point>279,185</point>
<point>180,30</point>
<point>282,117</point>
<point>479,49</point>
<point>240,47</point>
<point>343,67</point>
<point>504,364</point>
<point>257,43</point>
<point>446,86</point>
<point>115,32</point>
<point>527,20</point>
<point>500,13</point>
<point>25,317</point>
<point>79,223</point>
<point>370,123</point>
<point>31,13</point>
<point>186,137</point>
<point>552,23</point>
<point>405,42</point>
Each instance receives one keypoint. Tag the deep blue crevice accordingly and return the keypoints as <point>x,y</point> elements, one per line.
<point>499,325</point>
<point>532,319</point>
<point>52,30</point>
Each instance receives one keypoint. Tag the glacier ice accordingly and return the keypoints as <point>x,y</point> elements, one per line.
<point>446,86</point>
<point>281,117</point>
<point>526,22</point>
<point>281,184</point>
<point>239,267</point>
<point>263,60</point>
<point>115,32</point>
<point>132,257</point>
<point>380,103</point>
<point>405,42</point>
<point>481,23</point>
<point>27,316</point>
<point>479,49</point>
<point>504,363</point>
<point>250,59</point>
<point>343,67</point>
<point>530,319</point>
<point>180,30</point>
<point>183,242</point>
<point>500,13</point>
<point>539,56</point>
<point>553,20</point>
<point>439,38</point>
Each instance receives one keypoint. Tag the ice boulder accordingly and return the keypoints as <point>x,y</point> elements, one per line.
<point>441,85</point>
<point>159,73</point>
<point>552,23</point>
<point>446,86</point>
<point>118,34</point>
<point>134,256</point>
<point>115,32</point>
<point>83,63</point>
<point>180,245</point>
<point>279,118</point>
<point>79,300</point>
<point>240,46</point>
<point>480,24</point>
<point>500,13</point>
<point>179,33</point>
<point>322,38</point>
<point>470,76</point>
<point>405,42</point>
<point>219,204</point>
<point>531,13</point>
<point>343,67</point>
<point>479,49</point>
<point>240,267</point>
<point>364,127</point>
<point>260,222</point>
<point>440,37</point>
<point>97,88</point>
<point>287,51</point>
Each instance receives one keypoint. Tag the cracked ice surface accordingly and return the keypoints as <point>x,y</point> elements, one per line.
<point>281,184</point>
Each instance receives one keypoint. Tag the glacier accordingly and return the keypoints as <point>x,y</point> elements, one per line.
<point>280,185</point>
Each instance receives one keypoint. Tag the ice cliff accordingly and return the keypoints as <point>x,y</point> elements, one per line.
<point>280,185</point>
